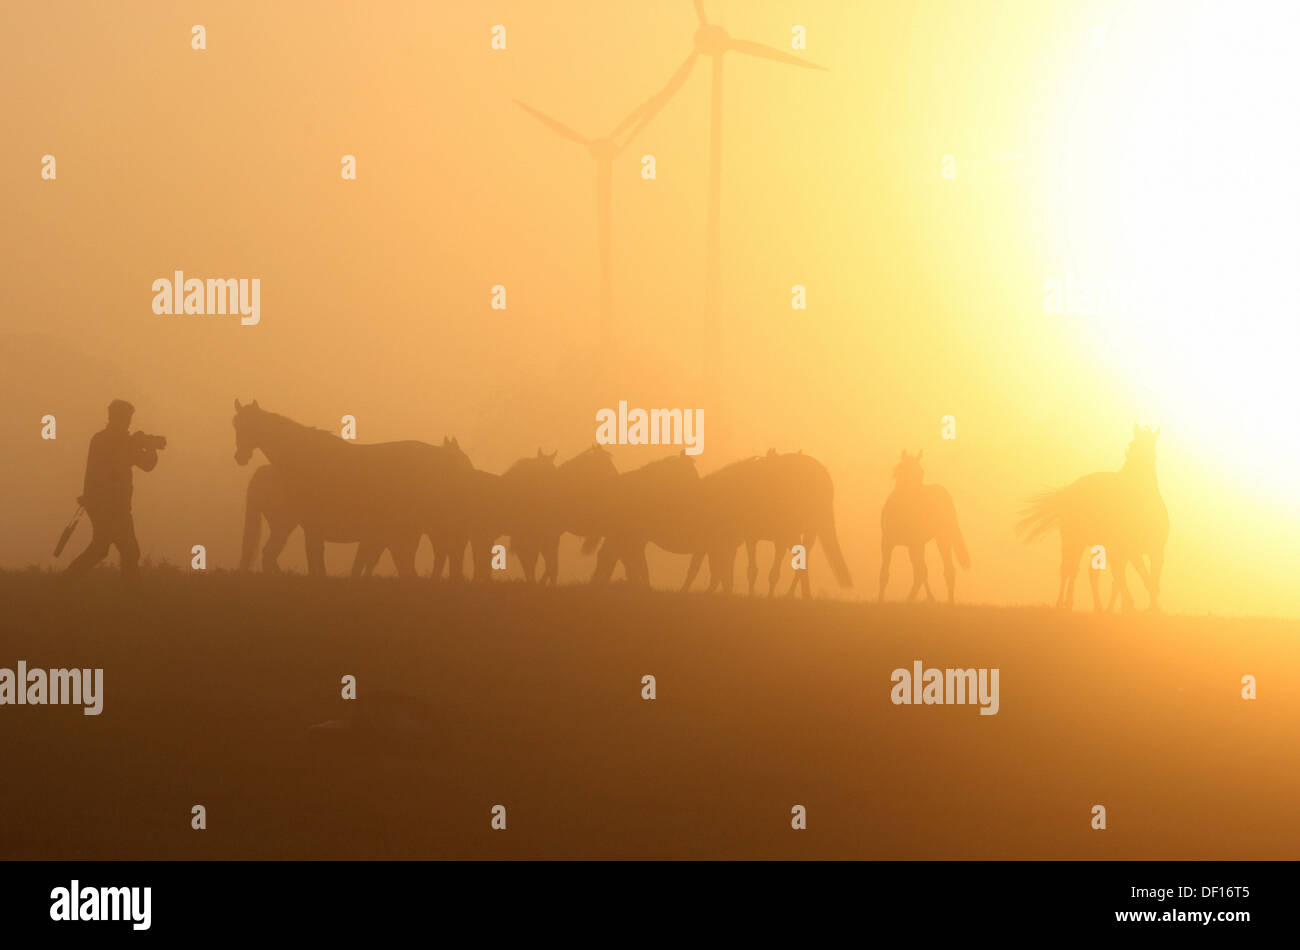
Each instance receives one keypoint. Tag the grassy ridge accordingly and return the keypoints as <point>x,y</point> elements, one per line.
<point>531,698</point>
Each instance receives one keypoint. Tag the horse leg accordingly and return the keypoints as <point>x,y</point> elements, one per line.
<point>1093,578</point>
<point>403,554</point>
<point>527,555</point>
<point>274,545</point>
<point>722,568</point>
<point>1148,581</point>
<point>799,576</point>
<point>949,571</point>
<point>886,553</point>
<point>315,553</point>
<point>925,584</point>
<point>439,560</point>
<point>606,558</point>
<point>751,571</point>
<point>1119,567</point>
<point>779,551</point>
<point>638,571</point>
<point>551,554</point>
<point>456,560</point>
<point>1119,581</point>
<point>805,585</point>
<point>1157,568</point>
<point>367,558</point>
<point>252,534</point>
<point>480,559</point>
<point>917,553</point>
<point>697,558</point>
<point>480,554</point>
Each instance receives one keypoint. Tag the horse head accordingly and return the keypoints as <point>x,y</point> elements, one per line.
<point>248,430</point>
<point>908,471</point>
<point>1141,453</point>
<point>456,453</point>
<point>595,463</point>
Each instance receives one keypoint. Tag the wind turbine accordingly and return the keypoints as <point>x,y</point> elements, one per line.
<point>713,40</point>
<point>603,150</point>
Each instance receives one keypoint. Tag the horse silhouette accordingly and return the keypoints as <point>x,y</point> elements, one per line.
<point>1122,511</point>
<point>388,493</point>
<point>914,513</point>
<point>453,534</point>
<point>269,498</point>
<point>529,492</point>
<point>586,487</point>
<point>787,499</point>
<point>658,502</point>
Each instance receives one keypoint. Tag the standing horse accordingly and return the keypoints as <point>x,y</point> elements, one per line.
<point>1121,511</point>
<point>529,496</point>
<point>450,542</point>
<point>787,499</point>
<point>586,494</point>
<point>269,498</point>
<point>657,502</point>
<point>389,493</point>
<point>913,514</point>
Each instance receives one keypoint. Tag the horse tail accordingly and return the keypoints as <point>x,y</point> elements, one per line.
<point>1042,515</point>
<point>959,545</point>
<point>591,543</point>
<point>254,505</point>
<point>833,552</point>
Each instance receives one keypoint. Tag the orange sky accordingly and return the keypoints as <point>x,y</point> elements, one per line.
<point>925,295</point>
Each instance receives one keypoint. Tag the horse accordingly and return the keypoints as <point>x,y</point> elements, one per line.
<point>914,513</point>
<point>657,502</point>
<point>269,498</point>
<point>586,489</point>
<point>787,499</point>
<point>725,531</point>
<point>454,534</point>
<point>529,496</point>
<point>389,493</point>
<point>1123,511</point>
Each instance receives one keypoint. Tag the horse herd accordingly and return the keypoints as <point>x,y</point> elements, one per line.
<point>387,496</point>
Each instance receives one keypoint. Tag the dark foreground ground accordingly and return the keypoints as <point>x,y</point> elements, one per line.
<point>532,699</point>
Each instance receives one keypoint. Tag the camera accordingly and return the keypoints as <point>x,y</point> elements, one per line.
<point>144,440</point>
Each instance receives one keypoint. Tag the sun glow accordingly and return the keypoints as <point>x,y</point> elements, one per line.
<point>1181,206</point>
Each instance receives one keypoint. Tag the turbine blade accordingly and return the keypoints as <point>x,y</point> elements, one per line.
<point>767,52</point>
<point>554,124</point>
<point>699,11</point>
<point>650,108</point>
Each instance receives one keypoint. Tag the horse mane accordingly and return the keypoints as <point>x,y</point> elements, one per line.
<point>281,420</point>
<point>731,466</point>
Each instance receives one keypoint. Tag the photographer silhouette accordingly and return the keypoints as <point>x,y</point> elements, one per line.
<point>114,451</point>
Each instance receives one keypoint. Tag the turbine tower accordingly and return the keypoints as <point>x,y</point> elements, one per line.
<point>603,150</point>
<point>713,40</point>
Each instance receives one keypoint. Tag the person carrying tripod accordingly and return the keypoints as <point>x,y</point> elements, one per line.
<point>106,495</point>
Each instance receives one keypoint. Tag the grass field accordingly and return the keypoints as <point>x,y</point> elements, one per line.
<point>531,699</point>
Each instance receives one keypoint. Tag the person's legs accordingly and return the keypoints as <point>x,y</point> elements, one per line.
<point>128,548</point>
<point>96,551</point>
